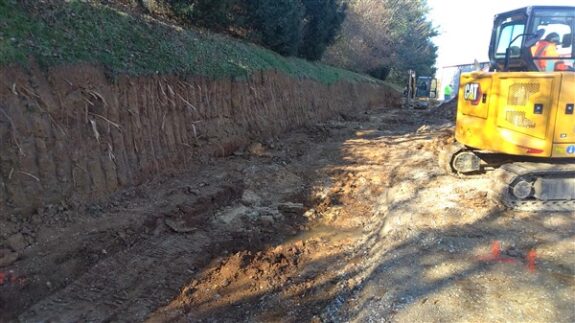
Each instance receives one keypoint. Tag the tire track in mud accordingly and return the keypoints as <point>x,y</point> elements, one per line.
<point>128,285</point>
<point>131,283</point>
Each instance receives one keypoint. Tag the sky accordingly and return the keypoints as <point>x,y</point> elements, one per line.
<point>465,26</point>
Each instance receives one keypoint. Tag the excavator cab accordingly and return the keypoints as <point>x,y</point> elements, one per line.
<point>518,118</point>
<point>519,37</point>
<point>426,87</point>
<point>421,91</point>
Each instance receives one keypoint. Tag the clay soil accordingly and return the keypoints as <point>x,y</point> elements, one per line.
<point>346,220</point>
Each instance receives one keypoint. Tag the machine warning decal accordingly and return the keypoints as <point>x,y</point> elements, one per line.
<point>472,92</point>
<point>517,118</point>
<point>570,149</point>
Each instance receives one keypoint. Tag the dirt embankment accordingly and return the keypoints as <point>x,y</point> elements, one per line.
<point>71,135</point>
<point>122,258</point>
<point>345,220</point>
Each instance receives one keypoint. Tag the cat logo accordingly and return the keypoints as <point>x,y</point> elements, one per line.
<point>472,92</point>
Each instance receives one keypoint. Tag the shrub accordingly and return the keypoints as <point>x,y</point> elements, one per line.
<point>278,24</point>
<point>212,14</point>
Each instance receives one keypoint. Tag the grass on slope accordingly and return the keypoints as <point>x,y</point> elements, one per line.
<point>79,31</point>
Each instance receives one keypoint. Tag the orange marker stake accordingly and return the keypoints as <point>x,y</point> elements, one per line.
<point>496,254</point>
<point>496,249</point>
<point>531,255</point>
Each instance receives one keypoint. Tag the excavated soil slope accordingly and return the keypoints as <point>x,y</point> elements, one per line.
<point>71,135</point>
<point>351,219</point>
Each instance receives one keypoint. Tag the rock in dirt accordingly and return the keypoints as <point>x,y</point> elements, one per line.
<point>423,129</point>
<point>232,215</point>
<point>290,208</point>
<point>17,242</point>
<point>7,229</point>
<point>179,226</point>
<point>267,219</point>
<point>310,214</point>
<point>7,257</point>
<point>250,198</point>
<point>401,193</point>
<point>258,150</point>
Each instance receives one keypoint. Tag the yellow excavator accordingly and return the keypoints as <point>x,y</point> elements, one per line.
<point>518,118</point>
<point>420,92</point>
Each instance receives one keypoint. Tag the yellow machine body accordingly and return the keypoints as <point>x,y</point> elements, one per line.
<point>518,113</point>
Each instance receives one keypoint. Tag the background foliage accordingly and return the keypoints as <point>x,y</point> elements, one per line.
<point>385,38</point>
<point>382,38</point>
<point>69,32</point>
<point>301,28</point>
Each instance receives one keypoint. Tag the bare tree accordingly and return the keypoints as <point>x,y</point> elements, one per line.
<point>389,34</point>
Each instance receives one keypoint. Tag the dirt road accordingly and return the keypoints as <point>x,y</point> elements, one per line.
<point>349,220</point>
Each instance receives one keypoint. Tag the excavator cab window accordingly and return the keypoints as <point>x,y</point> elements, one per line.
<point>510,37</point>
<point>554,50</point>
<point>426,87</point>
<point>422,87</point>
<point>538,38</point>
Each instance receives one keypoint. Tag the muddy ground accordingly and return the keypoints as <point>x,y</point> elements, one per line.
<point>347,220</point>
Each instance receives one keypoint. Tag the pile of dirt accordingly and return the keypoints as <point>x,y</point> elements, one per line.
<point>446,110</point>
<point>240,277</point>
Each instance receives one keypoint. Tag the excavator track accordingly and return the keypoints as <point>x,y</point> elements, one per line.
<point>535,186</point>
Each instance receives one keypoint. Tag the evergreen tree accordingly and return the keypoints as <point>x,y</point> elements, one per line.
<point>213,14</point>
<point>289,27</point>
<point>278,24</point>
<point>323,19</point>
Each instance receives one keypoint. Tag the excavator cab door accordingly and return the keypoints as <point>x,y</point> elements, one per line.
<point>433,89</point>
<point>424,87</point>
